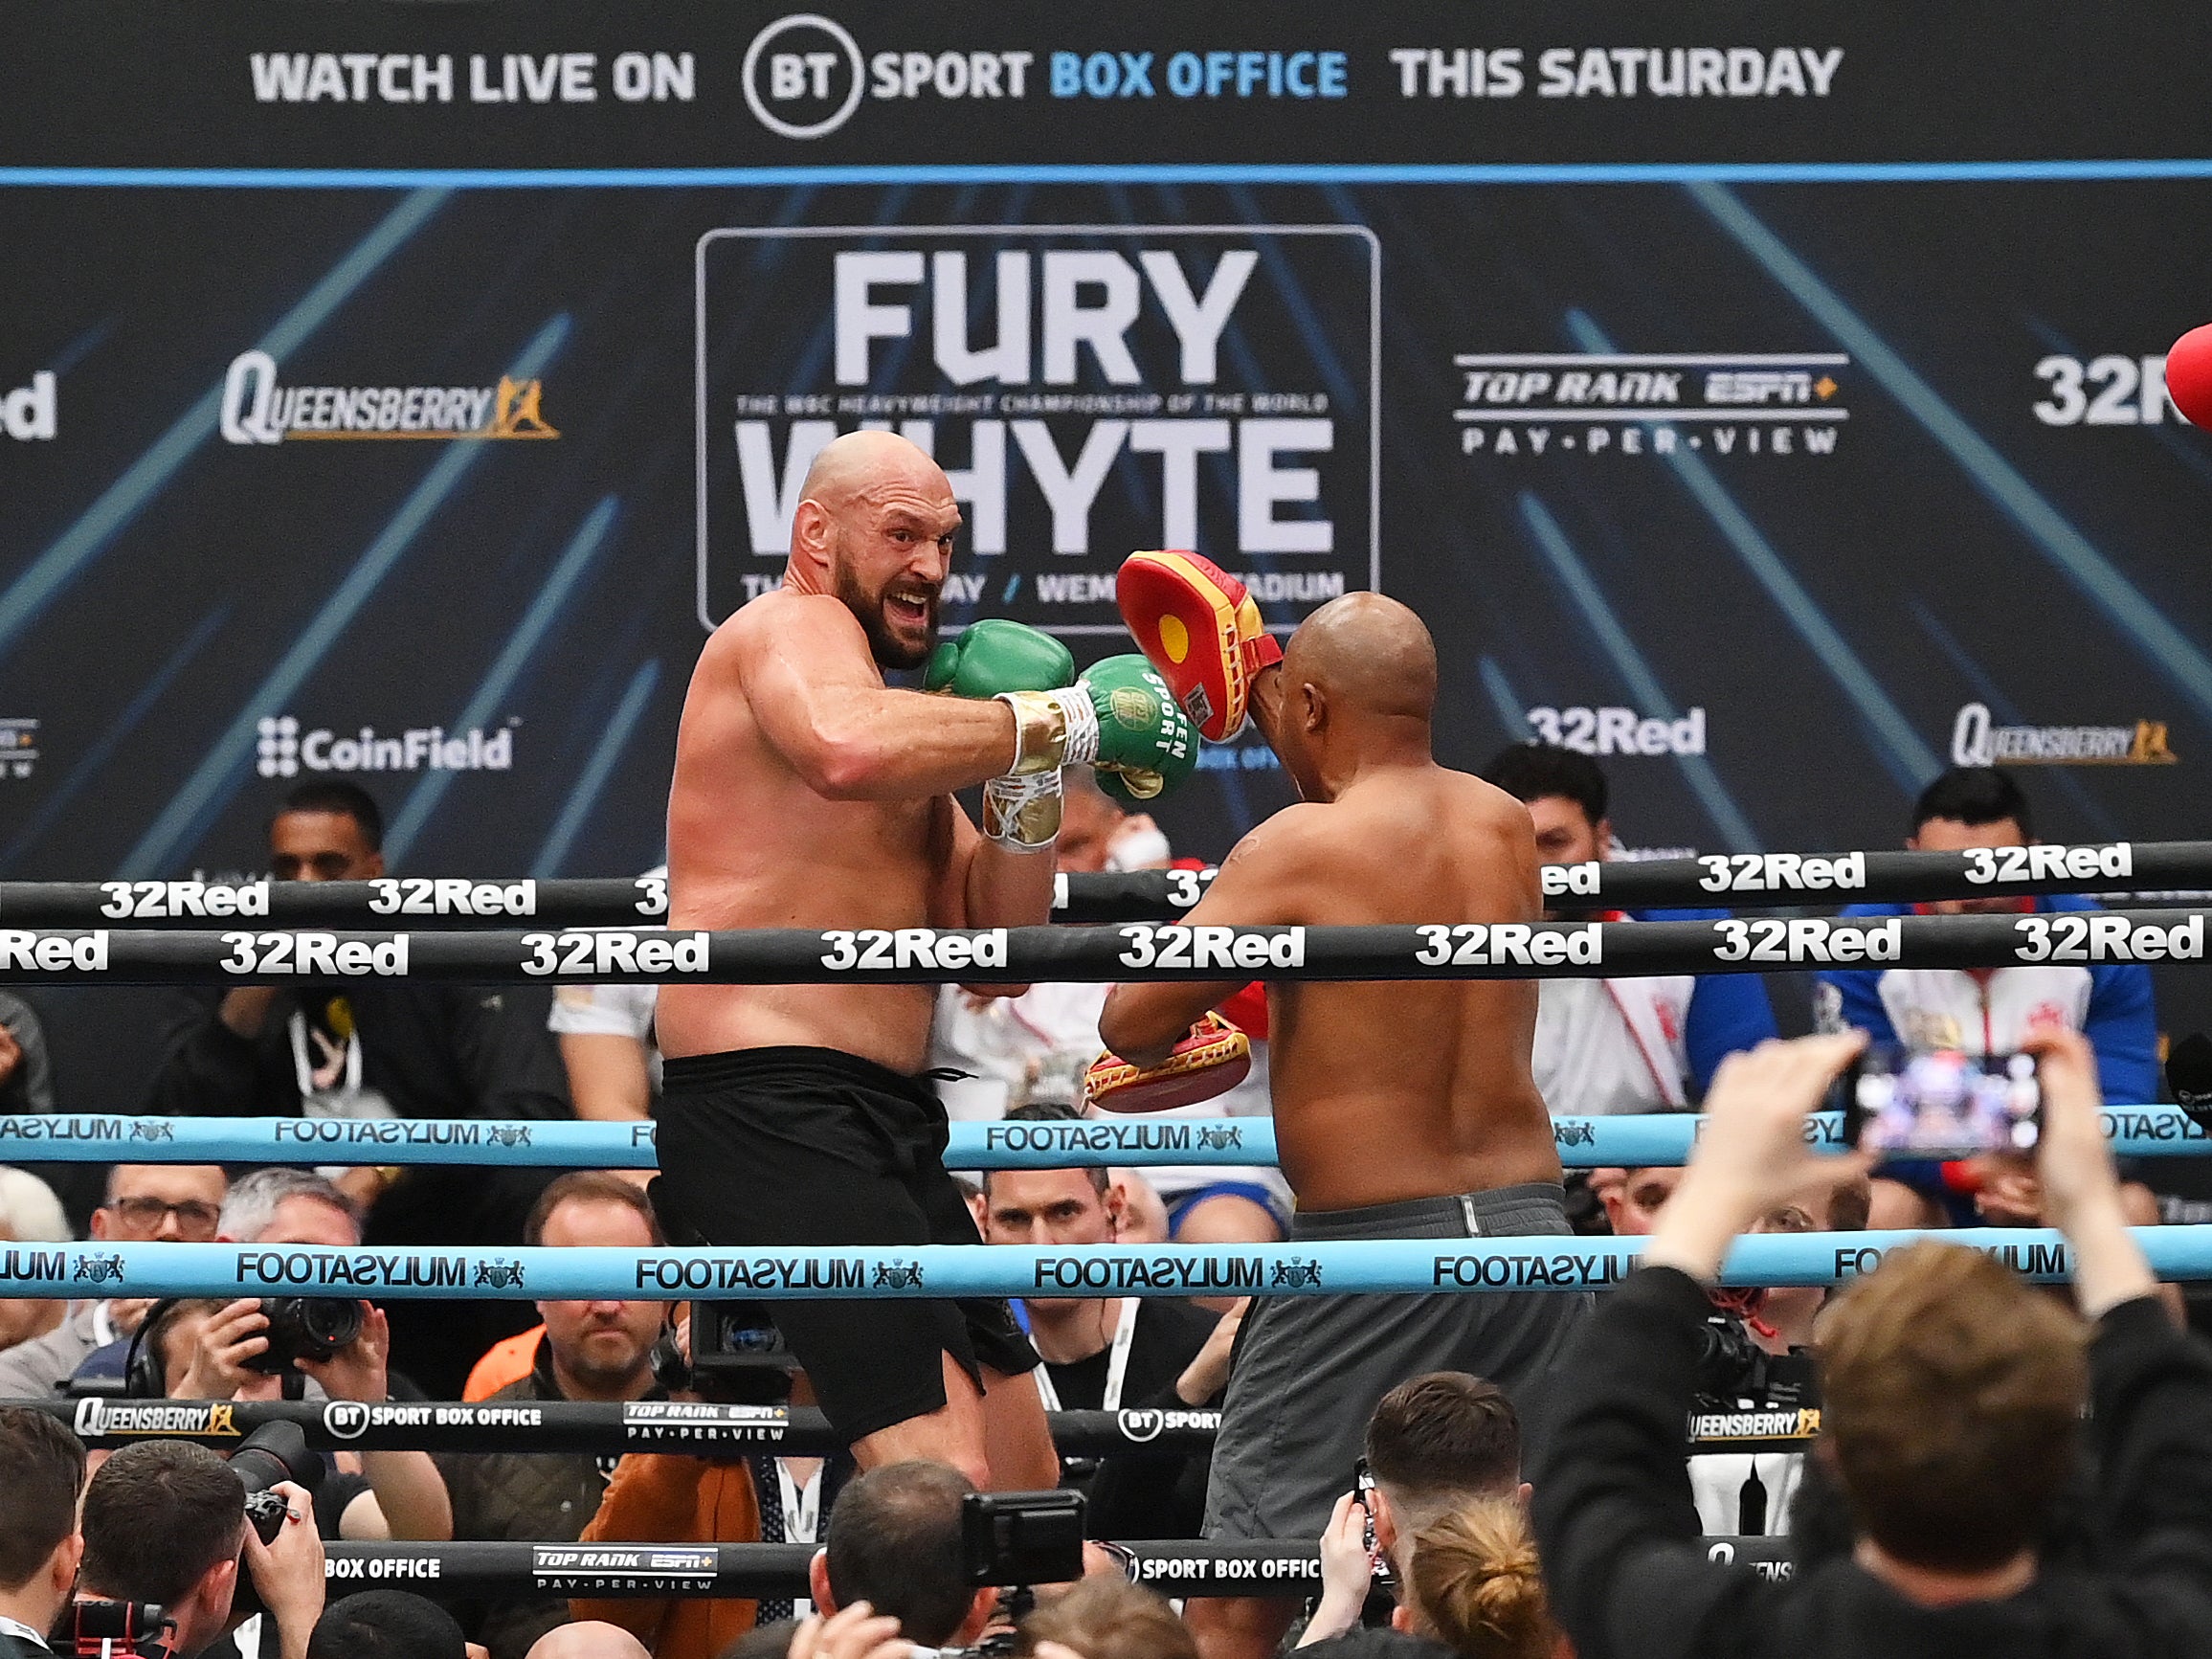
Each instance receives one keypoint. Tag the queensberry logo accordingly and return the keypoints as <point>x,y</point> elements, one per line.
<point>97,1418</point>
<point>257,408</point>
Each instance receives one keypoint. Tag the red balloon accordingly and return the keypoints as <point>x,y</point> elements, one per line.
<point>2189,375</point>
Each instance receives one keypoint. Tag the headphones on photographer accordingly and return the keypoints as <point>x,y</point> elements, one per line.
<point>143,1375</point>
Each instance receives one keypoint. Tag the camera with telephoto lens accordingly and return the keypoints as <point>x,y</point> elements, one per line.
<point>275,1451</point>
<point>304,1328</point>
<point>1013,1540</point>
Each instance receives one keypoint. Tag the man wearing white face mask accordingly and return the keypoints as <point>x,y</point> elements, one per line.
<point>1033,1049</point>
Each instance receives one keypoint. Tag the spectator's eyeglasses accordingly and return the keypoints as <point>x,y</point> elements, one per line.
<point>193,1215</point>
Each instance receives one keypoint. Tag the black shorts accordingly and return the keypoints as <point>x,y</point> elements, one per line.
<point>813,1146</point>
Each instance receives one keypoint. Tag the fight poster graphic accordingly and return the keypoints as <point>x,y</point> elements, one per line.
<point>1090,391</point>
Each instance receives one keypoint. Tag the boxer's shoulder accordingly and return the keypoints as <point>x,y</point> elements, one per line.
<point>813,624</point>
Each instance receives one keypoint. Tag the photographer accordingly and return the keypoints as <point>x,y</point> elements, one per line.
<point>42,1473</point>
<point>894,1544</point>
<point>165,1523</point>
<point>405,1498</point>
<point>1954,1399</point>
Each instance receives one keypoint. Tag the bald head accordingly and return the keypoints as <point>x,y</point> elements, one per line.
<point>867,466</point>
<point>588,1639</point>
<point>874,526</point>
<point>1369,655</point>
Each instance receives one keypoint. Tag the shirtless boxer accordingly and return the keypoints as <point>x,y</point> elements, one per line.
<point>1402,1110</point>
<point>808,794</point>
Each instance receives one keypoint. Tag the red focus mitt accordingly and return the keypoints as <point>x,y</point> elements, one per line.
<point>1212,1059</point>
<point>1198,626</point>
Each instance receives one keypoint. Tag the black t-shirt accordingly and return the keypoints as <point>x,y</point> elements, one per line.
<point>1169,1334</point>
<point>1136,1494</point>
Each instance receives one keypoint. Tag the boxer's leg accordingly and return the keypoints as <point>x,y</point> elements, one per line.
<point>954,1433</point>
<point>1015,1434</point>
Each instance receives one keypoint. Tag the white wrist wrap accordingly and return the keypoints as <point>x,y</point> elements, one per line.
<point>1021,811</point>
<point>1052,730</point>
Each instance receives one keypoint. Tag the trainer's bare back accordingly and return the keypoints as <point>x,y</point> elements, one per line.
<point>1402,1089</point>
<point>752,844</point>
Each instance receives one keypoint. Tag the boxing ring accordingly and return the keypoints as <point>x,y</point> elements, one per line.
<point>1118,928</point>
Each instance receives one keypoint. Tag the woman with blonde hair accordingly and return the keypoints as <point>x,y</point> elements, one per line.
<point>1470,1581</point>
<point>1474,1585</point>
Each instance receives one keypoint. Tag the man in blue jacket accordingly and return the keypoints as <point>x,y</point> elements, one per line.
<point>1991,1010</point>
<point>1607,1047</point>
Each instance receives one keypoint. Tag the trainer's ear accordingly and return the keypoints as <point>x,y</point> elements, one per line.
<point>818,1582</point>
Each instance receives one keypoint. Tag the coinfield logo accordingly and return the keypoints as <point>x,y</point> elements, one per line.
<point>259,408</point>
<point>1976,740</point>
<point>285,751</point>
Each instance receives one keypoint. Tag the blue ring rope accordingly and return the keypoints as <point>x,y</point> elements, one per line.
<point>1133,1142</point>
<point>1374,1266</point>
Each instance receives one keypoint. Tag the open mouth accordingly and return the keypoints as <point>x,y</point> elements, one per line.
<point>907,610</point>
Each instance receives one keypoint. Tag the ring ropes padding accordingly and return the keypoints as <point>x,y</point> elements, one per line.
<point>1128,951</point>
<point>670,1427</point>
<point>595,1426</point>
<point>1173,1567</point>
<point>1743,880</point>
<point>1633,1142</point>
<point>1398,1266</point>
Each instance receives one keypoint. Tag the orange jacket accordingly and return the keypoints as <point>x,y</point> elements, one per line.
<point>658,1498</point>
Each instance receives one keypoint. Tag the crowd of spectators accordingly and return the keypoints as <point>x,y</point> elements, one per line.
<point>1956,1504</point>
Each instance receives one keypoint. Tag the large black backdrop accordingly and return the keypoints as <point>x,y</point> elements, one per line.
<point>1778,487</point>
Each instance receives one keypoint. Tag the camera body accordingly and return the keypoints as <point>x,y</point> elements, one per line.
<point>1014,1540</point>
<point>738,1357</point>
<point>304,1328</point>
<point>1735,1374</point>
<point>274,1452</point>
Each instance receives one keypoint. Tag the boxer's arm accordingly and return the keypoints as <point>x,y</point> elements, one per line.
<point>998,886</point>
<point>1258,885</point>
<point>815,695</point>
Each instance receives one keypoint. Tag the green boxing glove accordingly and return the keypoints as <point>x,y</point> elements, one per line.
<point>994,656</point>
<point>1121,717</point>
<point>1146,742</point>
<point>1021,811</point>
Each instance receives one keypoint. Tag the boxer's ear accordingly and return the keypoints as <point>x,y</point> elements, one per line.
<point>812,533</point>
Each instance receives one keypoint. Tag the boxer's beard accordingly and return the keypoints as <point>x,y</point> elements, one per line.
<point>888,649</point>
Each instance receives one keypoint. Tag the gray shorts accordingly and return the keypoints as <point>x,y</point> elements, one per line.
<point>1310,1369</point>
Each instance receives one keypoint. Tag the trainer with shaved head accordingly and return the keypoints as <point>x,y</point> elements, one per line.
<point>1402,1110</point>
<point>809,793</point>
